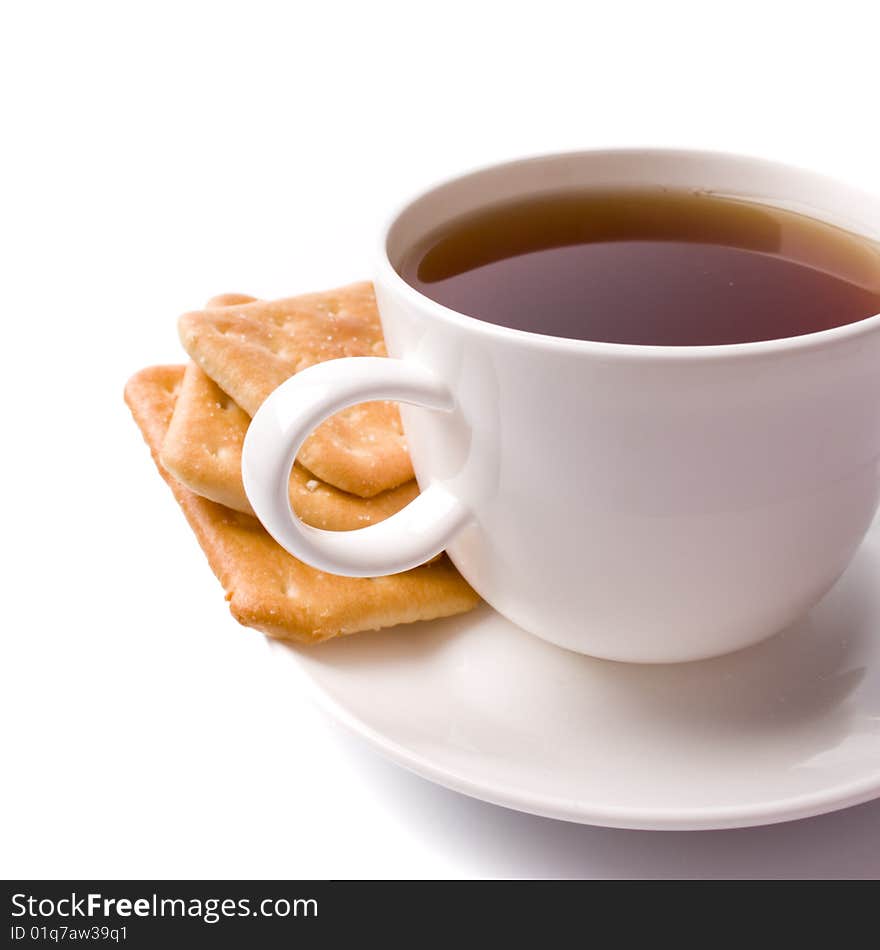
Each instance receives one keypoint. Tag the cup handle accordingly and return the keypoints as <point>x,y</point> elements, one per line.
<point>408,538</point>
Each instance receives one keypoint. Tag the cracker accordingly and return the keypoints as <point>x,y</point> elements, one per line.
<point>229,300</point>
<point>249,349</point>
<point>202,450</point>
<point>266,587</point>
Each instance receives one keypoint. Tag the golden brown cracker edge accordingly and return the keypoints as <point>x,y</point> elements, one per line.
<point>266,587</point>
<point>251,348</point>
<point>202,450</point>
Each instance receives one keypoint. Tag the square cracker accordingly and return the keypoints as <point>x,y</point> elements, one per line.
<point>250,348</point>
<point>266,587</point>
<point>202,450</point>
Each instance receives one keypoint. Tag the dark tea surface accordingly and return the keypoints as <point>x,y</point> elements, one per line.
<point>663,267</point>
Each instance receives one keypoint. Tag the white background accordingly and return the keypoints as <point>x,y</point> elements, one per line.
<point>156,154</point>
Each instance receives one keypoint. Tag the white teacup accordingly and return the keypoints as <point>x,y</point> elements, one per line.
<point>640,503</point>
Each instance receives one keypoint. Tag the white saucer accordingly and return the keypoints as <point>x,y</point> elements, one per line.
<point>786,729</point>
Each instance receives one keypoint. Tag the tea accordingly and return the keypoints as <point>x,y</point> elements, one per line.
<point>649,266</point>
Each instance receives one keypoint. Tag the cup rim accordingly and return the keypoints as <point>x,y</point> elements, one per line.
<point>387,273</point>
